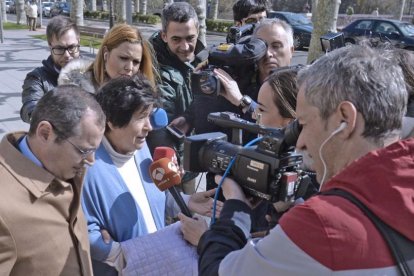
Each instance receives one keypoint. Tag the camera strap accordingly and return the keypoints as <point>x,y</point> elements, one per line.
<point>401,248</point>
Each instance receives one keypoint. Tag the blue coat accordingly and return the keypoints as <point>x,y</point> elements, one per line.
<point>108,204</point>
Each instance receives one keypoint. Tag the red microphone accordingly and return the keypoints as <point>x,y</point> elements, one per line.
<point>161,152</point>
<point>164,173</point>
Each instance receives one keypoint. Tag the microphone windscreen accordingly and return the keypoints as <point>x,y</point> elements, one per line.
<point>159,118</point>
<point>164,173</point>
<point>161,152</point>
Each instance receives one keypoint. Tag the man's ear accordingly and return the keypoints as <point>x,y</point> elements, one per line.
<point>44,132</point>
<point>110,125</point>
<point>164,36</point>
<point>347,113</point>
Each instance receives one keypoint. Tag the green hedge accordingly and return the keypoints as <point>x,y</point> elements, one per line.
<point>218,25</point>
<point>147,18</point>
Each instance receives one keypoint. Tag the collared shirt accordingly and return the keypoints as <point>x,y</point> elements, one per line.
<point>26,151</point>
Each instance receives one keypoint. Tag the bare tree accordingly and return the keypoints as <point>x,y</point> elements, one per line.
<point>213,11</point>
<point>120,10</point>
<point>398,9</point>
<point>93,5</point>
<point>136,6</point>
<point>144,5</point>
<point>324,16</point>
<point>3,10</point>
<point>76,12</point>
<point>20,12</point>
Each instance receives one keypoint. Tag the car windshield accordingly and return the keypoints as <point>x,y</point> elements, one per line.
<point>407,29</point>
<point>47,4</point>
<point>297,19</point>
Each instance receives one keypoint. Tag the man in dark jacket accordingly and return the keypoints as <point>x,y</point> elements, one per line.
<point>178,52</point>
<point>63,39</point>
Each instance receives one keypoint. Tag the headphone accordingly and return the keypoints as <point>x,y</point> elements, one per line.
<point>341,127</point>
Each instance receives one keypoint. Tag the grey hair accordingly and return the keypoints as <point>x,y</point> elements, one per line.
<point>366,77</point>
<point>64,107</point>
<point>269,22</point>
<point>180,12</point>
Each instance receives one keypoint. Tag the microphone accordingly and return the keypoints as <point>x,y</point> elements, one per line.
<point>158,118</point>
<point>167,152</point>
<point>165,175</point>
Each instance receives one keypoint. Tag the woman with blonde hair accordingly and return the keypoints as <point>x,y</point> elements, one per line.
<point>123,52</point>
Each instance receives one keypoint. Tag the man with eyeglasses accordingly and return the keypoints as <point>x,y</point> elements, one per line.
<point>42,226</point>
<point>63,38</point>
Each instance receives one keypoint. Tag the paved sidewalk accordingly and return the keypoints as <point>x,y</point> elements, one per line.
<point>19,54</point>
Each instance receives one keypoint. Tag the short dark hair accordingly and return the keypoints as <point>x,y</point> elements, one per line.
<point>120,98</point>
<point>63,107</point>
<point>244,8</point>
<point>58,26</point>
<point>180,12</point>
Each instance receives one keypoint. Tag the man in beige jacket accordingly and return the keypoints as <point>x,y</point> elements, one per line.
<point>42,227</point>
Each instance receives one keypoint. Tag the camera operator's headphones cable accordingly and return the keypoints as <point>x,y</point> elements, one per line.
<point>226,172</point>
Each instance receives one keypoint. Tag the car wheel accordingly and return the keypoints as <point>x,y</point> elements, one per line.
<point>296,42</point>
<point>349,41</point>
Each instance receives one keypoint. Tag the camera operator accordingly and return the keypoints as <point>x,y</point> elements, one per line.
<point>249,11</point>
<point>350,105</point>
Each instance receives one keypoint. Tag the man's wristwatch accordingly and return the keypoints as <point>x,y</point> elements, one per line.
<point>245,102</point>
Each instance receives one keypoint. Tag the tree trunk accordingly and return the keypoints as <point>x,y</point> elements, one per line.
<point>20,12</point>
<point>324,16</point>
<point>76,12</point>
<point>213,9</point>
<point>93,5</point>
<point>120,9</point>
<point>104,5</point>
<point>144,5</point>
<point>201,13</point>
<point>3,10</point>
<point>136,6</point>
<point>398,9</point>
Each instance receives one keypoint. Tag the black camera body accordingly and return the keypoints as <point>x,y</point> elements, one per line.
<point>268,170</point>
<point>235,33</point>
<point>238,60</point>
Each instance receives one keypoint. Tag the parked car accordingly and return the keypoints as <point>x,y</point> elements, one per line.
<point>398,33</point>
<point>46,6</point>
<point>301,25</point>
<point>8,3</point>
<point>60,8</point>
<point>12,7</point>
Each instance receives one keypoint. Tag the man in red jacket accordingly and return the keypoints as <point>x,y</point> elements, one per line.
<point>350,105</point>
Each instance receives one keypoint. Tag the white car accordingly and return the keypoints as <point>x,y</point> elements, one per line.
<point>46,8</point>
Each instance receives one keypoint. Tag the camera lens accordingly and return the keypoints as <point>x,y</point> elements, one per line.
<point>208,83</point>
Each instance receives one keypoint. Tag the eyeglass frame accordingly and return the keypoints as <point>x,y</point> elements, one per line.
<point>83,153</point>
<point>75,49</point>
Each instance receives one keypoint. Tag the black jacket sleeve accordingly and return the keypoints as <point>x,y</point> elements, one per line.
<point>223,237</point>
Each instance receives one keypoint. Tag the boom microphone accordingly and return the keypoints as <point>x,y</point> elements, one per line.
<point>165,175</point>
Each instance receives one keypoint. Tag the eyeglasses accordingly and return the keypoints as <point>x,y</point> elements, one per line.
<point>84,153</point>
<point>72,49</point>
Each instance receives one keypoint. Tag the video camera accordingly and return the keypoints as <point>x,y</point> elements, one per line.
<point>236,59</point>
<point>235,33</point>
<point>268,170</point>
